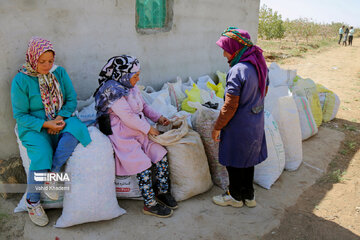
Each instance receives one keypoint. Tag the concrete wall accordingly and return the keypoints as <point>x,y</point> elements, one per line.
<point>86,33</point>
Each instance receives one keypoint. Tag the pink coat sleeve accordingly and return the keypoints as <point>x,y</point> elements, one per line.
<point>149,112</point>
<point>132,120</point>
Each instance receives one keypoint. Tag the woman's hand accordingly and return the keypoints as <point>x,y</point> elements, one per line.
<point>164,121</point>
<point>58,117</point>
<point>216,135</point>
<point>54,126</point>
<point>60,122</point>
<point>153,131</point>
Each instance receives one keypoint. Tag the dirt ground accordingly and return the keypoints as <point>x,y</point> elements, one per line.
<point>330,209</point>
<point>324,190</point>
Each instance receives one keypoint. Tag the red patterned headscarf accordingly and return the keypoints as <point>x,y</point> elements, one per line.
<point>51,95</point>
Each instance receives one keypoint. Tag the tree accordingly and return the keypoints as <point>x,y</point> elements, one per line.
<point>270,24</point>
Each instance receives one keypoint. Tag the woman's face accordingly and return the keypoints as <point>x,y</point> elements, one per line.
<point>45,62</point>
<point>135,78</point>
<point>227,55</point>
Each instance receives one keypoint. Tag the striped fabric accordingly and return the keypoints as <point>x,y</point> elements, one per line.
<point>37,46</point>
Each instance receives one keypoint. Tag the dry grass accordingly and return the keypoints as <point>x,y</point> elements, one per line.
<point>276,50</point>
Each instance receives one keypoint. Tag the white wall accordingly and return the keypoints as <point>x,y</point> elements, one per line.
<point>86,33</point>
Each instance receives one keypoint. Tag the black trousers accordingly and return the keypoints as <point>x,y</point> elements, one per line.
<point>241,182</point>
<point>340,37</point>
<point>350,40</point>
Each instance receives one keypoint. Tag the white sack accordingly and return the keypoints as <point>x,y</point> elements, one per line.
<point>92,181</point>
<point>267,172</point>
<point>46,202</point>
<point>307,121</point>
<point>280,77</point>
<point>273,95</point>
<point>287,117</point>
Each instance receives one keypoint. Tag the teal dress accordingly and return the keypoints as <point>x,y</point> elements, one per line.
<point>29,113</point>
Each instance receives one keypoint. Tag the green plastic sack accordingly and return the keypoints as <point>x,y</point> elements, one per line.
<point>222,78</point>
<point>193,96</point>
<point>219,89</point>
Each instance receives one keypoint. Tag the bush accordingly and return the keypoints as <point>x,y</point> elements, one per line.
<point>270,24</point>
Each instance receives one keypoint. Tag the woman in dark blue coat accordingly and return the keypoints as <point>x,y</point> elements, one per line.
<point>240,125</point>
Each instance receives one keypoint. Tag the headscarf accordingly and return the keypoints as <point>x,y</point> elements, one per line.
<point>237,42</point>
<point>114,81</point>
<point>51,95</point>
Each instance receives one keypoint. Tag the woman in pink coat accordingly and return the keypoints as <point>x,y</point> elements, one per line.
<point>121,115</point>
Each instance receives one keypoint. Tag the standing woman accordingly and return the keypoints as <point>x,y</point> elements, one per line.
<point>351,35</point>
<point>240,125</point>
<point>43,100</point>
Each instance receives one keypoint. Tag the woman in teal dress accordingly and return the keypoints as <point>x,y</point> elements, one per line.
<point>43,101</point>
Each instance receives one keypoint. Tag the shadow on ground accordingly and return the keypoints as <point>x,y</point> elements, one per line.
<point>300,220</point>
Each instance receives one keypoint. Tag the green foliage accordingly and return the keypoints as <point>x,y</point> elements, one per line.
<point>270,24</point>
<point>336,176</point>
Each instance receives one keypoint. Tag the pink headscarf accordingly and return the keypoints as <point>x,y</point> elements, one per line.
<point>251,53</point>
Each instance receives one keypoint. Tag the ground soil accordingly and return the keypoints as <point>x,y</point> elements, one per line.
<point>330,209</point>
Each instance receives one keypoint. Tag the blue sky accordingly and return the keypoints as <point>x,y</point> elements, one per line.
<point>321,11</point>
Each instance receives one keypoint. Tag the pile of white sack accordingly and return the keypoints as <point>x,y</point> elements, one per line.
<point>294,109</point>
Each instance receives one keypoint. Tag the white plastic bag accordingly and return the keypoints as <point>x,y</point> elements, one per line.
<point>92,181</point>
<point>267,172</point>
<point>84,103</point>
<point>147,97</point>
<point>202,81</point>
<point>161,103</point>
<point>188,85</point>
<point>307,121</point>
<point>87,115</point>
<point>176,94</point>
<point>208,95</point>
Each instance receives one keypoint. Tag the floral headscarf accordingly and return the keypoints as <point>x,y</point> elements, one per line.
<point>237,42</point>
<point>51,95</point>
<point>114,81</point>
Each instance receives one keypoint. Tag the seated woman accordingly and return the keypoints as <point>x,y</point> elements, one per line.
<point>119,99</point>
<point>43,100</point>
